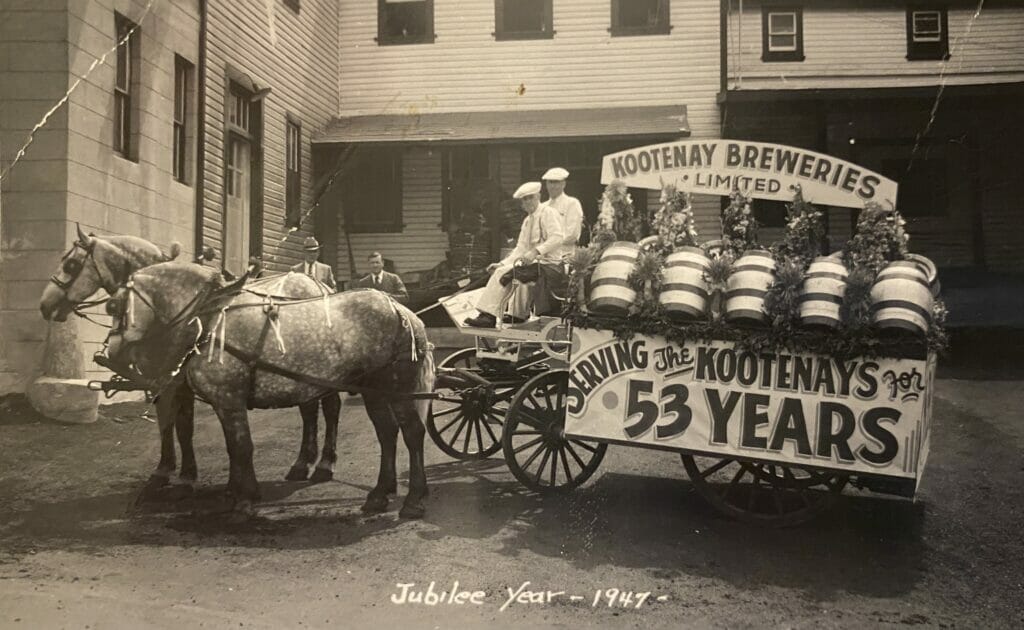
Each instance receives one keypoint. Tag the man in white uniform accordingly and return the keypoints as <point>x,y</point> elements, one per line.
<point>540,240</point>
<point>570,214</point>
<point>569,210</point>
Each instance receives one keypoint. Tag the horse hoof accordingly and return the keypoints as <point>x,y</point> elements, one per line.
<point>297,473</point>
<point>375,505</point>
<point>321,475</point>
<point>412,511</point>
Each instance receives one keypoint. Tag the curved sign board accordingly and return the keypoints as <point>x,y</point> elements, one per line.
<point>758,169</point>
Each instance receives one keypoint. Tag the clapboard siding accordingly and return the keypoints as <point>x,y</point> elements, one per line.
<point>864,44</point>
<point>422,244</point>
<point>295,55</point>
<point>465,69</point>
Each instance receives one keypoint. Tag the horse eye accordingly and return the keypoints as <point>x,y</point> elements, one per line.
<point>72,266</point>
<point>115,307</point>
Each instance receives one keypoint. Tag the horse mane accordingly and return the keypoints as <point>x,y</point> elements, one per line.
<point>139,252</point>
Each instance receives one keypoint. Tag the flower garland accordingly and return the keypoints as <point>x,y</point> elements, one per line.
<point>878,240</point>
<point>617,220</point>
<point>805,232</point>
<point>739,227</point>
<point>673,222</point>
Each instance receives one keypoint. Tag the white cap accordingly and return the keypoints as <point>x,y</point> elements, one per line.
<point>556,174</point>
<point>527,189</point>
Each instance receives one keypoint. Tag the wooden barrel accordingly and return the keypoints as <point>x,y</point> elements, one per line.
<point>609,285</point>
<point>930,271</point>
<point>684,290</point>
<point>901,298</point>
<point>752,274</point>
<point>822,292</point>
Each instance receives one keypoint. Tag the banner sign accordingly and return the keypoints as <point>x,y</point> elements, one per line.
<point>758,169</point>
<point>868,416</point>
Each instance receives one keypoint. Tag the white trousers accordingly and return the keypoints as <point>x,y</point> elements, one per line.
<point>494,294</point>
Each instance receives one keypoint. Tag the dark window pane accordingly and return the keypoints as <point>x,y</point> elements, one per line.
<point>523,16</point>
<point>641,13</point>
<point>405,19</point>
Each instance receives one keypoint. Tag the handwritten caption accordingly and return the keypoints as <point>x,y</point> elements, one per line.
<point>410,593</point>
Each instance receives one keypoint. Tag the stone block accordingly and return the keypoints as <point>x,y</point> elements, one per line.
<point>64,400</point>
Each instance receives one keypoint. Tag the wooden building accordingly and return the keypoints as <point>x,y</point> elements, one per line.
<point>926,93</point>
<point>447,106</point>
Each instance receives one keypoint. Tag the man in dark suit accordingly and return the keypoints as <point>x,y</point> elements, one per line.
<point>314,268</point>
<point>331,402</point>
<point>382,280</point>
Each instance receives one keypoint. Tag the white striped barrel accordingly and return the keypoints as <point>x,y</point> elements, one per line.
<point>609,285</point>
<point>930,271</point>
<point>752,274</point>
<point>901,298</point>
<point>684,289</point>
<point>822,293</point>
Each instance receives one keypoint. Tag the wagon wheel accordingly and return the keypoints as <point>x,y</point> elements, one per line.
<point>769,494</point>
<point>468,424</point>
<point>536,449</point>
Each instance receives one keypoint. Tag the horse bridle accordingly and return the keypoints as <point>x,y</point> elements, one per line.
<point>73,268</point>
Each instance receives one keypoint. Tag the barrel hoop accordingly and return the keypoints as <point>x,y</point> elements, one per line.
<point>619,282</point>
<point>821,297</point>
<point>609,304</point>
<point>686,288</point>
<point>882,277</point>
<point>745,314</point>
<point>615,257</point>
<point>761,268</point>
<point>898,323</point>
<point>903,304</point>
<point>756,253</point>
<point>745,293</point>
<point>826,275</point>
<point>686,263</point>
<point>677,309</point>
<point>819,320</point>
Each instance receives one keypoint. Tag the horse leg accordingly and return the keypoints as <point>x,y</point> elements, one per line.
<point>242,482</point>
<point>165,419</point>
<point>332,410</point>
<point>184,426</point>
<point>307,449</point>
<point>412,432</point>
<point>387,436</point>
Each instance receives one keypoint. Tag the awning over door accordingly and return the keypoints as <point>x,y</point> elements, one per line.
<point>519,126</point>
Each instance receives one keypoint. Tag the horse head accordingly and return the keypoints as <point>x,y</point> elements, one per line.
<point>93,263</point>
<point>151,313</point>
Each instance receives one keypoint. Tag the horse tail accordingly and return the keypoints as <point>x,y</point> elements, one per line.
<point>425,381</point>
<point>174,251</point>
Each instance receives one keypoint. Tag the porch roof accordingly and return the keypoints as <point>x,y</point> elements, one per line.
<point>520,126</point>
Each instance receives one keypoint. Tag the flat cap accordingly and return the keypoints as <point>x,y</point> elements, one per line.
<point>556,174</point>
<point>527,189</point>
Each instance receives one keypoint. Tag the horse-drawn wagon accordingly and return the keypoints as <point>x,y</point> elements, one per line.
<point>769,428</point>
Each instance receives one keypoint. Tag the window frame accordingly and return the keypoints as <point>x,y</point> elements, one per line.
<point>928,50</point>
<point>501,34</point>
<point>617,30</point>
<point>181,118</point>
<point>383,39</point>
<point>292,172</point>
<point>769,55</point>
<point>389,199</point>
<point>126,93</point>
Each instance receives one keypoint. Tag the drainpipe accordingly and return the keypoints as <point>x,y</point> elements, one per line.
<point>201,131</point>
<point>739,49</point>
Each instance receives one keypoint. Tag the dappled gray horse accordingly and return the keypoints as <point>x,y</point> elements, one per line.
<point>95,263</point>
<point>237,354</point>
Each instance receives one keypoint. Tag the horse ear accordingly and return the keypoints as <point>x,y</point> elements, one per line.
<point>174,251</point>
<point>83,238</point>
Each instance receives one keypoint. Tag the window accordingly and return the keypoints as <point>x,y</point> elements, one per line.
<point>293,174</point>
<point>239,106</point>
<point>924,185</point>
<point>125,86</point>
<point>782,33</point>
<point>292,4</point>
<point>372,193</point>
<point>182,110</point>
<point>405,22</point>
<point>640,17</point>
<point>522,19</point>
<point>927,34</point>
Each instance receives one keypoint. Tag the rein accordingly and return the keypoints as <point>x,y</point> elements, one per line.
<point>65,286</point>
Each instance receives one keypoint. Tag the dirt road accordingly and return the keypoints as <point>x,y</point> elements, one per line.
<point>77,552</point>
